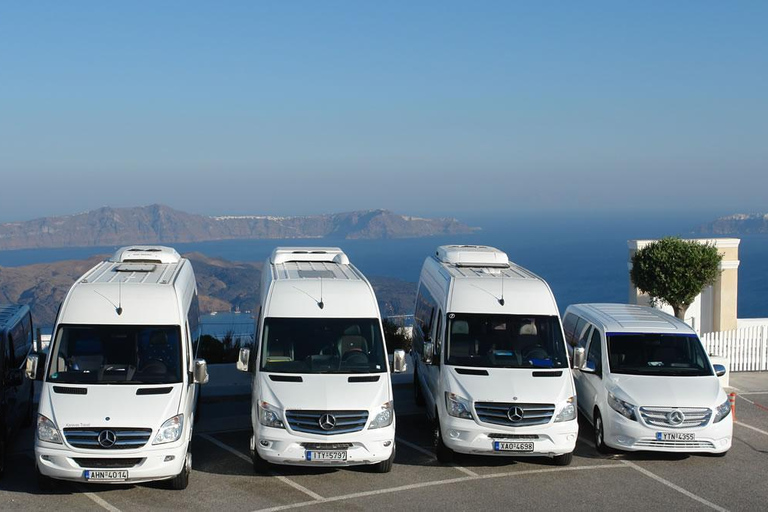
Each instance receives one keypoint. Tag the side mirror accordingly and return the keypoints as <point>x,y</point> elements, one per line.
<point>719,370</point>
<point>200,373</point>
<point>578,357</point>
<point>429,352</point>
<point>399,364</point>
<point>34,367</point>
<point>243,359</point>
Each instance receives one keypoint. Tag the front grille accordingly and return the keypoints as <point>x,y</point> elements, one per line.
<point>343,422</point>
<point>125,438</point>
<point>679,445</point>
<point>528,437</point>
<point>107,463</point>
<point>498,413</point>
<point>326,446</point>
<point>660,416</point>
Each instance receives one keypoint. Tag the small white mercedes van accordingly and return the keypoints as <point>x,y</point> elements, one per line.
<point>119,384</point>
<point>490,362</point>
<point>322,395</point>
<point>647,382</point>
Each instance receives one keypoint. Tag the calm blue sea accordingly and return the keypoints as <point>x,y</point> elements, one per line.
<point>584,258</point>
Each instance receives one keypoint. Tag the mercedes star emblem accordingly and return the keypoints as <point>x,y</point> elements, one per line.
<point>327,422</point>
<point>515,414</point>
<point>107,438</point>
<point>676,417</point>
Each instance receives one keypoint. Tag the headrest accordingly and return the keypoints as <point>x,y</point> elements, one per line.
<point>529,329</point>
<point>349,343</point>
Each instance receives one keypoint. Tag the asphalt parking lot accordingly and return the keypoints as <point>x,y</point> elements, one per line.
<point>223,477</point>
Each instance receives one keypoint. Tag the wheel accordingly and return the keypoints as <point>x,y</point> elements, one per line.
<point>386,465</point>
<point>563,460</point>
<point>260,466</point>
<point>181,481</point>
<point>599,433</point>
<point>44,483</point>
<point>444,454</point>
<point>418,396</point>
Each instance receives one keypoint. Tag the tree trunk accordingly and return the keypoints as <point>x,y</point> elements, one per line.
<point>680,310</point>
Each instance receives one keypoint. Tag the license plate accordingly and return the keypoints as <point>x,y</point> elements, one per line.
<point>105,475</point>
<point>675,436</point>
<point>503,446</point>
<point>313,455</point>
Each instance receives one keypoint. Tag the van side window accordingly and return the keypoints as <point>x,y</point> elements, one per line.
<point>569,326</point>
<point>582,341</point>
<point>438,336</point>
<point>20,348</point>
<point>423,318</point>
<point>594,356</point>
<point>193,320</point>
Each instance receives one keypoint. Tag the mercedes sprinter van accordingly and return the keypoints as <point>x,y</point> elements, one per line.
<point>490,362</point>
<point>322,395</point>
<point>119,383</point>
<point>647,382</point>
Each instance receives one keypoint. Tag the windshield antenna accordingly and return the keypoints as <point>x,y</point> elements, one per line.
<point>501,300</point>
<point>119,308</point>
<point>321,304</point>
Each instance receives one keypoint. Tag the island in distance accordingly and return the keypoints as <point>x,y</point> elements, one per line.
<point>164,225</point>
<point>737,224</point>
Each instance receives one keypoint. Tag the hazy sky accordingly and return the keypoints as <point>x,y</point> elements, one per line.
<point>309,107</point>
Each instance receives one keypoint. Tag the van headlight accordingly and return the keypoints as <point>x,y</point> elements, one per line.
<point>626,409</point>
<point>457,406</point>
<point>385,416</point>
<point>170,431</point>
<point>568,412</point>
<point>722,411</point>
<point>47,431</point>
<point>270,416</point>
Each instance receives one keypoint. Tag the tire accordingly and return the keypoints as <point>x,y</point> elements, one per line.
<point>386,465</point>
<point>444,454</point>
<point>563,460</point>
<point>599,434</point>
<point>181,481</point>
<point>418,396</point>
<point>44,483</point>
<point>260,466</point>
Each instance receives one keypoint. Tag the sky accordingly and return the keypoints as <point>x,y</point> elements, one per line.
<point>303,107</point>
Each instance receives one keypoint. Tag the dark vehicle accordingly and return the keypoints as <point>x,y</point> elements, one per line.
<point>16,391</point>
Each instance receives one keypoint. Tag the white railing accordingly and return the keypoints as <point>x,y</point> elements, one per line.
<point>746,348</point>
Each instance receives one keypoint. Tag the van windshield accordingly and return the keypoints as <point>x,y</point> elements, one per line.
<point>657,354</point>
<point>322,345</point>
<point>505,341</point>
<point>116,354</point>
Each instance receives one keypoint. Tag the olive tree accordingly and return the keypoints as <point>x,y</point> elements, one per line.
<point>675,271</point>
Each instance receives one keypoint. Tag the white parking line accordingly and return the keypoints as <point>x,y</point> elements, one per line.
<point>673,486</point>
<point>432,454</point>
<point>750,427</point>
<point>247,458</point>
<point>436,483</point>
<point>99,501</point>
<point>753,393</point>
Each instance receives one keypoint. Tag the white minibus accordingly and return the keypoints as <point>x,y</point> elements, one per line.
<point>647,382</point>
<point>119,384</point>
<point>322,395</point>
<point>491,365</point>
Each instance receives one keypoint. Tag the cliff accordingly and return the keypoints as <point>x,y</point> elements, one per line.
<point>161,224</point>
<point>737,224</point>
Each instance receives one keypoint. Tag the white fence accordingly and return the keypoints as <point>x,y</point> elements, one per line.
<point>746,348</point>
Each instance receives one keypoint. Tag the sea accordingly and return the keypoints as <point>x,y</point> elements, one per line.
<point>582,256</point>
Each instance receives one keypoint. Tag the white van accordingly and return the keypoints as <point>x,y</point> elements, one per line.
<point>118,394</point>
<point>647,383</point>
<point>490,361</point>
<point>321,388</point>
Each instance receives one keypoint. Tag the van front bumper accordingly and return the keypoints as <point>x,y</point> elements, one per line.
<point>156,463</point>
<point>469,436</point>
<point>279,446</point>
<point>629,435</point>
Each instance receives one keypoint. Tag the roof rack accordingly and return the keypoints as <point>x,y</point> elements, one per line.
<point>310,254</point>
<point>472,256</point>
<point>146,254</point>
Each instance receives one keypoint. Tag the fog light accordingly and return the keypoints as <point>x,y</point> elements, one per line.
<point>624,440</point>
<point>387,444</point>
<point>46,457</point>
<point>454,434</point>
<point>571,437</point>
<point>169,458</point>
<point>264,443</point>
